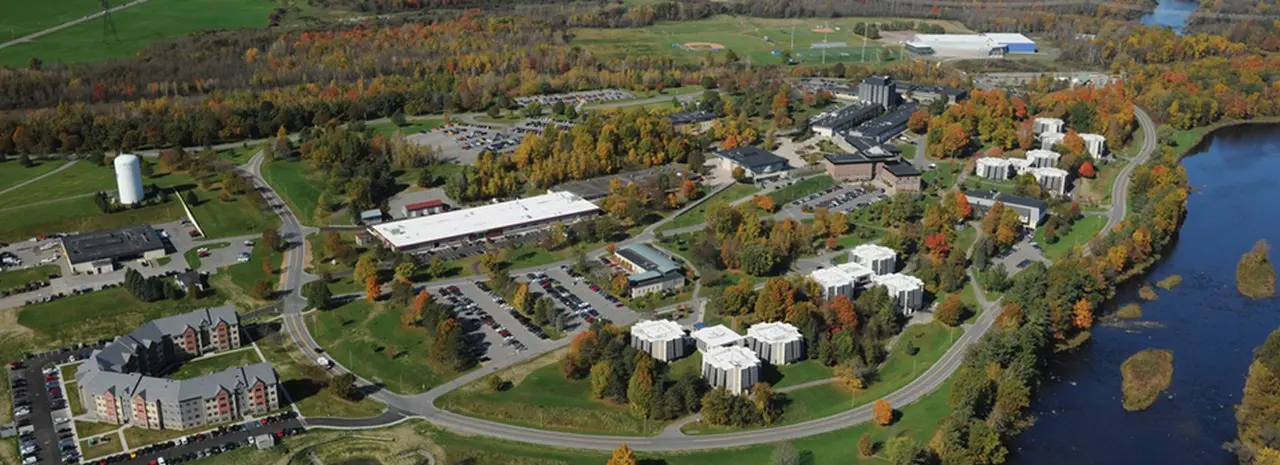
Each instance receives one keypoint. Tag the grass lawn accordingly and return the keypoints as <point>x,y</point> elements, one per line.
<point>89,428</point>
<point>68,371</point>
<point>306,389</point>
<point>861,234</point>
<point>299,189</point>
<point>82,178</point>
<point>228,219</point>
<point>1081,233</point>
<point>244,275</point>
<point>965,237</point>
<point>823,400</point>
<point>388,128</point>
<point>25,17</point>
<point>216,363</point>
<point>102,448</point>
<point>138,437</point>
<point>193,258</point>
<point>942,177</point>
<point>137,27</point>
<point>13,278</point>
<point>79,214</point>
<point>908,150</point>
<point>239,155</point>
<point>795,373</point>
<point>658,300</point>
<point>697,215</point>
<point>369,339</point>
<point>12,173</point>
<point>541,397</point>
<point>977,183</point>
<point>785,195</point>
<point>73,398</point>
<point>754,38</point>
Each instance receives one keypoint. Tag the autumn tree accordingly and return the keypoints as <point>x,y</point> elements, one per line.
<point>883,412</point>
<point>866,445</point>
<point>622,455</point>
<point>765,203</point>
<point>600,377</point>
<point>365,269</point>
<point>520,298</point>
<point>640,389</point>
<point>919,121</point>
<point>1082,314</point>
<point>845,315</point>
<point>371,289</point>
<point>1086,170</point>
<point>271,239</point>
<point>951,312</point>
<point>406,270</point>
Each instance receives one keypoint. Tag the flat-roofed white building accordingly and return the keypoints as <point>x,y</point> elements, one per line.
<point>1018,165</point>
<point>776,342</point>
<point>992,168</point>
<point>661,339</point>
<point>907,291</point>
<point>955,45</point>
<point>1050,139</point>
<point>1042,125</point>
<point>1095,144</point>
<point>484,222</point>
<point>733,368</point>
<point>1051,179</point>
<point>841,279</point>
<point>880,259</point>
<point>1041,158</point>
<point>716,336</point>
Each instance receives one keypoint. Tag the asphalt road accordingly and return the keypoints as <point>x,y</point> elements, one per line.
<point>1120,190</point>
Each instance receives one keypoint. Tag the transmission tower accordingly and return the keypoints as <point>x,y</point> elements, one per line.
<point>108,25</point>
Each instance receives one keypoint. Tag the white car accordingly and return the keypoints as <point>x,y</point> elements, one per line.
<point>324,362</point>
<point>61,420</point>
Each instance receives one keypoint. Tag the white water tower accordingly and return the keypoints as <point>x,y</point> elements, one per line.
<point>129,178</point>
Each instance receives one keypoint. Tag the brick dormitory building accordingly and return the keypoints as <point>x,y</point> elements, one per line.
<point>119,384</point>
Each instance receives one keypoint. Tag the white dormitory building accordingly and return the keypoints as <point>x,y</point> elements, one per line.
<point>842,280</point>
<point>907,291</point>
<point>1095,144</point>
<point>992,168</point>
<point>714,337</point>
<point>734,368</point>
<point>880,259</point>
<point>1053,180</point>
<point>1042,125</point>
<point>662,339</point>
<point>493,221</point>
<point>1041,158</point>
<point>775,342</point>
<point>1050,139</point>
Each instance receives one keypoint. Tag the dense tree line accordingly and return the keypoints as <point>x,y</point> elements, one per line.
<point>1257,416</point>
<point>619,373</point>
<point>449,345</point>
<point>149,289</point>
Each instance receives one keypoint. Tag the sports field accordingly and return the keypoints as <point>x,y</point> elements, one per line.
<point>136,26</point>
<point>754,38</point>
<point>22,17</point>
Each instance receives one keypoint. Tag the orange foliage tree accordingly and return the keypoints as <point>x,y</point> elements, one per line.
<point>371,289</point>
<point>1087,170</point>
<point>1082,314</point>
<point>883,412</point>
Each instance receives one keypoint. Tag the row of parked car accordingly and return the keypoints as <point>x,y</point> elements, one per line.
<point>507,338</point>
<point>464,307</point>
<point>570,301</point>
<point>210,436</point>
<point>574,97</point>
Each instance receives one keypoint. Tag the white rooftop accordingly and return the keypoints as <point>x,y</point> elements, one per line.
<point>1051,172</point>
<point>448,225</point>
<point>876,252</point>
<point>657,330</point>
<point>1009,38</point>
<point>990,161</point>
<point>773,332</point>
<point>731,358</point>
<point>1088,136</point>
<point>1052,136</point>
<point>1034,153</point>
<point>829,277</point>
<point>717,335</point>
<point>898,282</point>
<point>1049,120</point>
<point>955,39</point>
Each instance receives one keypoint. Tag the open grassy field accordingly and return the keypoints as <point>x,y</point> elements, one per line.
<point>697,215</point>
<point>137,27</point>
<point>800,189</point>
<point>78,214</point>
<point>244,275</point>
<point>79,179</point>
<point>306,387</point>
<point>299,189</point>
<point>13,278</point>
<point>89,428</point>
<point>25,17</point>
<point>101,449</point>
<point>11,173</point>
<point>73,397</point>
<point>541,397</point>
<point>233,218</point>
<point>1081,233</point>
<point>216,363</point>
<point>942,177</point>
<point>753,38</point>
<point>388,128</point>
<point>369,339</point>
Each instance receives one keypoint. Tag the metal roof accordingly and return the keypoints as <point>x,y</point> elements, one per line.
<point>482,219</point>
<point>128,241</point>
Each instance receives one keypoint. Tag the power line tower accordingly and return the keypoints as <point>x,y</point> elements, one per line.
<point>108,25</point>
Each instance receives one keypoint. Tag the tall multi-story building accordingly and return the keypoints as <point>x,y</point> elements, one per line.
<point>907,291</point>
<point>880,259</point>
<point>778,343</point>
<point>1042,125</point>
<point>992,168</point>
<point>120,383</point>
<point>662,339</point>
<point>734,368</point>
<point>878,89</point>
<point>1095,144</point>
<point>841,280</point>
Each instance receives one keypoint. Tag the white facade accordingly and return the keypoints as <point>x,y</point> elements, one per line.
<point>1041,158</point>
<point>907,291</point>
<point>661,339</point>
<point>1051,179</point>
<point>775,342</point>
<point>129,179</point>
<point>955,45</point>
<point>880,259</point>
<point>841,280</point>
<point>717,336</point>
<point>1042,125</point>
<point>1096,144</point>
<point>1050,139</point>
<point>485,222</point>
<point>992,168</point>
<point>734,368</point>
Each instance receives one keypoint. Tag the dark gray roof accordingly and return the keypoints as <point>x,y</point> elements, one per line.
<point>848,115</point>
<point>167,390</point>
<point>116,354</point>
<point>846,158</point>
<point>114,244</point>
<point>648,258</point>
<point>888,122</point>
<point>751,157</point>
<point>689,117</point>
<point>901,168</point>
<point>878,80</point>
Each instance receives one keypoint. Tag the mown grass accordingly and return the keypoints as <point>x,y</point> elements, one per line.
<point>245,275</point>
<point>293,182</point>
<point>1081,233</point>
<point>22,17</point>
<point>388,128</point>
<point>216,363</point>
<point>697,215</point>
<point>89,428</point>
<point>306,387</point>
<point>101,449</point>
<point>11,278</point>
<point>11,173</point>
<point>801,189</point>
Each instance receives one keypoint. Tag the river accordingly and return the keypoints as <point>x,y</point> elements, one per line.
<point>1208,325</point>
<point>1171,13</point>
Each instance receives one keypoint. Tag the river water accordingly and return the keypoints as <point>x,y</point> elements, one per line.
<point>1208,325</point>
<point>1171,13</point>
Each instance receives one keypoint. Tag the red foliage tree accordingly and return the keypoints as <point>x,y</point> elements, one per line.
<point>1087,170</point>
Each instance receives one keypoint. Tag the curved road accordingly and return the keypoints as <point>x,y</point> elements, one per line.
<point>423,405</point>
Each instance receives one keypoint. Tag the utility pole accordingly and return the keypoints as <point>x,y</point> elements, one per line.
<point>793,38</point>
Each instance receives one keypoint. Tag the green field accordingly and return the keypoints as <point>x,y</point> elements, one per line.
<point>73,396</point>
<point>308,394</point>
<point>744,35</point>
<point>11,173</point>
<point>79,179</point>
<point>244,275</point>
<point>216,363</point>
<point>542,398</point>
<point>697,215</point>
<point>388,128</point>
<point>22,17</point>
<point>13,278</point>
<point>944,176</point>
<point>100,449</point>
<point>89,428</point>
<point>137,27</point>
<point>800,189</point>
<point>369,339</point>
<point>1081,233</point>
<point>296,186</point>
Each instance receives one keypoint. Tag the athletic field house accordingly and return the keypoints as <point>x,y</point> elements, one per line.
<point>991,45</point>
<point>486,222</point>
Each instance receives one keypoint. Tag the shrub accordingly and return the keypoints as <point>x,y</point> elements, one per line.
<point>1143,376</point>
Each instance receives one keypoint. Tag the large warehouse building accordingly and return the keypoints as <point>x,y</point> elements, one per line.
<point>99,252</point>
<point>1013,43</point>
<point>955,45</point>
<point>484,222</point>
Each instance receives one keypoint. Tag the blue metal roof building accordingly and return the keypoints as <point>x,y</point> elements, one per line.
<point>1014,43</point>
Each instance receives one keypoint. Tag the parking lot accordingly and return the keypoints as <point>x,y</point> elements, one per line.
<point>46,431</point>
<point>616,312</point>
<point>1021,254</point>
<point>840,198</point>
<point>584,97</point>
<point>463,143</point>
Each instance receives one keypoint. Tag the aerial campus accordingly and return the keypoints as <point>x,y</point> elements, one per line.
<point>512,232</point>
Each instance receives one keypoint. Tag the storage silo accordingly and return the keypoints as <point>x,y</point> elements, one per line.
<point>129,179</point>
